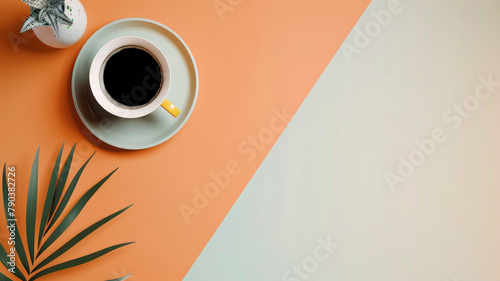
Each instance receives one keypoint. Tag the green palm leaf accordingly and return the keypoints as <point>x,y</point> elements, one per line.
<point>4,278</point>
<point>119,279</point>
<point>54,205</point>
<point>75,240</point>
<point>70,217</point>
<point>78,261</point>
<point>31,207</point>
<point>68,193</point>
<point>5,260</point>
<point>19,242</point>
<point>3,253</point>
<point>21,253</point>
<point>50,195</point>
<point>61,183</point>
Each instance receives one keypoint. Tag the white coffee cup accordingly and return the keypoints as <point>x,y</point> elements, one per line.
<point>114,107</point>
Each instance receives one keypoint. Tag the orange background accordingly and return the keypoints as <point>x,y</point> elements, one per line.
<point>264,55</point>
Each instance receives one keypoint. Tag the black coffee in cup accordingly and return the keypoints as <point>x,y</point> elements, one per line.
<point>132,77</point>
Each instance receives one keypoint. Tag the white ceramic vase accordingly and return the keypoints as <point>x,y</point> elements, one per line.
<point>67,35</point>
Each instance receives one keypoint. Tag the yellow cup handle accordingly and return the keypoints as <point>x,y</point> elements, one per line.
<point>171,108</point>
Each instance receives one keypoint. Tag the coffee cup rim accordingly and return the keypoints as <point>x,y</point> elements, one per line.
<point>95,76</point>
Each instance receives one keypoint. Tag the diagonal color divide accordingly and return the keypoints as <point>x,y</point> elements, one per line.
<point>319,207</point>
<point>256,67</point>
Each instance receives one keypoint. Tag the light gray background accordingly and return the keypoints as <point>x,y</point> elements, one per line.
<point>325,175</point>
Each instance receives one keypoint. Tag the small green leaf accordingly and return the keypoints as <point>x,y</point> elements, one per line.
<point>4,260</point>
<point>71,216</point>
<point>75,240</point>
<point>31,208</point>
<point>119,279</point>
<point>50,195</point>
<point>61,183</point>
<point>68,193</point>
<point>78,261</point>
<point>4,278</point>
<point>19,242</point>
<point>21,253</point>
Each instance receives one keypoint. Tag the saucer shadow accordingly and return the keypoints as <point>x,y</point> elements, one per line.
<point>85,131</point>
<point>82,128</point>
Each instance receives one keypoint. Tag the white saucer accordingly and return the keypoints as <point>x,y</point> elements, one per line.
<point>157,127</point>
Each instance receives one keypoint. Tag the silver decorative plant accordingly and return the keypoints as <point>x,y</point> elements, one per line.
<point>57,23</point>
<point>45,12</point>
